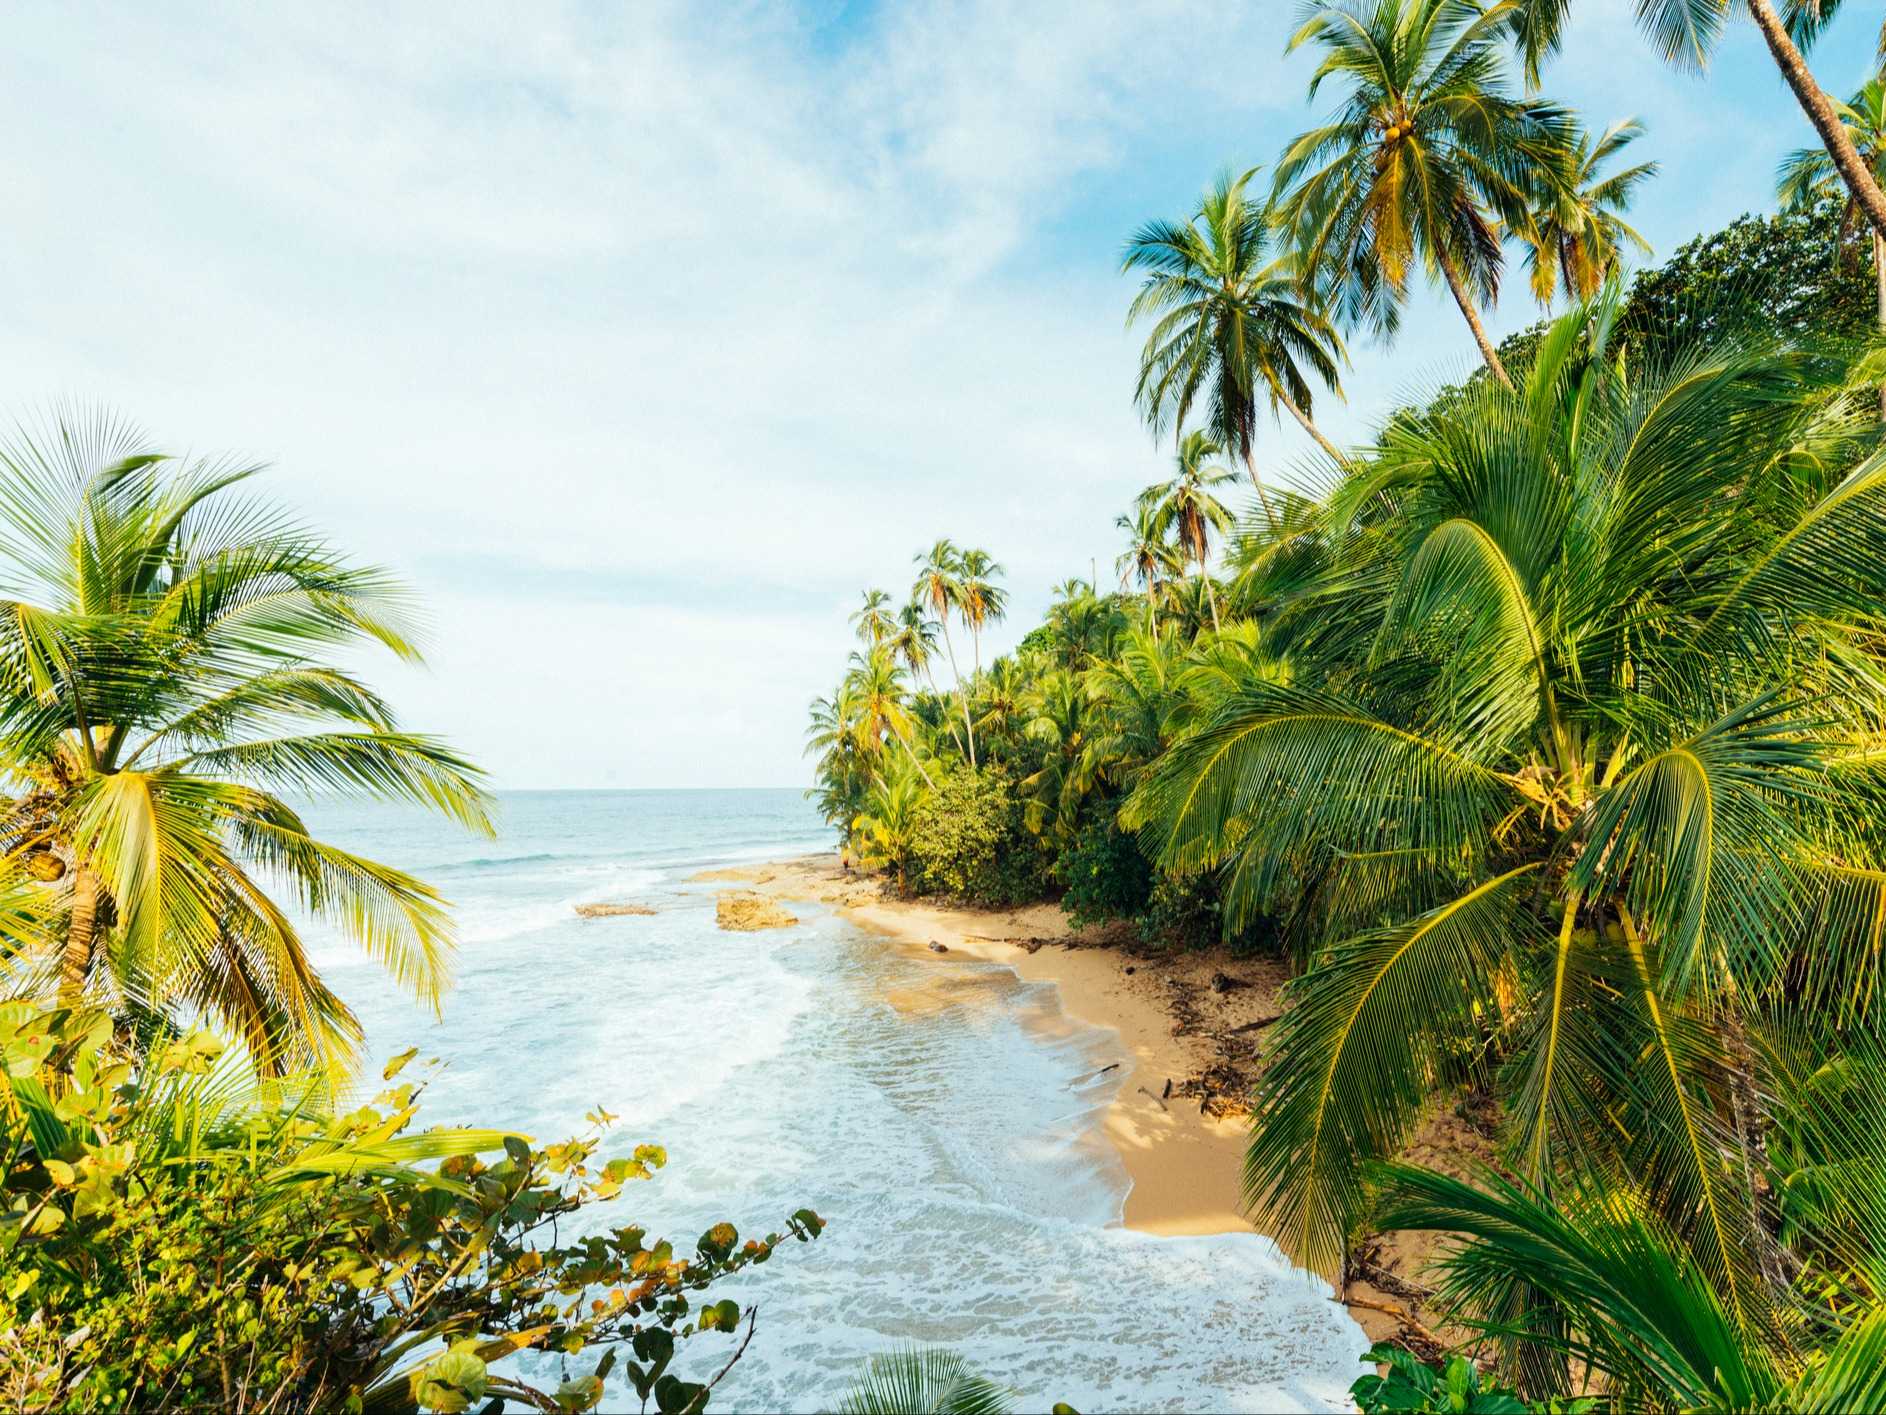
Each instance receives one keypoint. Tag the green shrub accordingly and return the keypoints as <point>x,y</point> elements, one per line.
<point>1104,873</point>
<point>1454,1389</point>
<point>969,841</point>
<point>176,1234</point>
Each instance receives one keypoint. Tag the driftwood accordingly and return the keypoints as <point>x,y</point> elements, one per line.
<point>1258,1025</point>
<point>1082,1080</point>
<point>1155,1099</point>
<point>1408,1321</point>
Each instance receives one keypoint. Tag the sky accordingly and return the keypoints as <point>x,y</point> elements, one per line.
<point>640,338</point>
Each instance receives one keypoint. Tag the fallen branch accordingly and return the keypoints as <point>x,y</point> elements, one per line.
<point>1259,1024</point>
<point>1387,1309</point>
<point>1155,1099</point>
<point>753,1321</point>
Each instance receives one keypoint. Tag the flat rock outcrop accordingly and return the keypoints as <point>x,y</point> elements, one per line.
<point>610,911</point>
<point>743,911</point>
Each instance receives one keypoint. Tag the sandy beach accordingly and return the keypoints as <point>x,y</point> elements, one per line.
<point>1192,1024</point>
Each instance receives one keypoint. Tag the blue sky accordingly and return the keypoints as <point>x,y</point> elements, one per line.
<point>640,338</point>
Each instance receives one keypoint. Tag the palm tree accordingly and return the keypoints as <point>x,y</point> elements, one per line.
<point>925,1382</point>
<point>873,621</point>
<point>1571,789</point>
<point>1057,709</point>
<point>914,643</point>
<point>886,827</point>
<point>1579,225</point>
<point>939,589</point>
<point>874,688</point>
<point>843,774</point>
<point>1149,557</point>
<point>1427,158</point>
<point>1187,508</point>
<point>1081,625</point>
<point>1808,176</point>
<point>982,602</point>
<point>1685,32</point>
<point>161,681</point>
<point>1232,324</point>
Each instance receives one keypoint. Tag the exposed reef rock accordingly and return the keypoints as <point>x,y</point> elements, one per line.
<point>743,911</point>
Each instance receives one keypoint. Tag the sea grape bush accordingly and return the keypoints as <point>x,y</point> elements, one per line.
<point>177,1234</point>
<point>969,841</point>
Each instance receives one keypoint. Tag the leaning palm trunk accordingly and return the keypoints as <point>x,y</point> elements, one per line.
<point>1258,482</point>
<point>1303,421</point>
<point>915,760</point>
<point>1820,112</point>
<point>1211,595</point>
<point>1879,286</point>
<point>962,694</point>
<point>81,934</point>
<point>1461,298</point>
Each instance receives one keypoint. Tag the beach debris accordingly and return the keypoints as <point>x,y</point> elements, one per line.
<point>1258,1024</point>
<point>1223,982</point>
<point>743,911</point>
<point>1167,1094</point>
<point>1131,970</point>
<point>936,947</point>
<point>1093,1075</point>
<point>1221,1090</point>
<point>1155,1100</point>
<point>610,911</point>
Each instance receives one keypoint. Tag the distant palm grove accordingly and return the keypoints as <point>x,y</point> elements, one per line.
<point>1541,733</point>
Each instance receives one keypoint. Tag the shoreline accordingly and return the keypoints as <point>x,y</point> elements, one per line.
<point>1191,1024</point>
<point>1185,1166</point>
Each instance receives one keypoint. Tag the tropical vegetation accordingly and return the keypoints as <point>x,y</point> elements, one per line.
<point>1538,734</point>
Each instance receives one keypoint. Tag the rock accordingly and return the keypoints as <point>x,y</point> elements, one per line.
<point>742,911</point>
<point>610,911</point>
<point>1224,982</point>
<point>936,947</point>
<point>1131,970</point>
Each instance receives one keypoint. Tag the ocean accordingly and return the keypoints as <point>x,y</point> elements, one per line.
<point>941,1116</point>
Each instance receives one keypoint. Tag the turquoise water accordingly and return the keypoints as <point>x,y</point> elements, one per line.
<point>934,1112</point>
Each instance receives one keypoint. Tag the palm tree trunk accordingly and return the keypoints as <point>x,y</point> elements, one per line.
<point>81,932</point>
<point>1487,351</point>
<point>1879,285</point>
<point>935,691</point>
<point>1211,596</point>
<point>963,696</point>
<point>1303,420</point>
<point>1258,482</point>
<point>1820,112</point>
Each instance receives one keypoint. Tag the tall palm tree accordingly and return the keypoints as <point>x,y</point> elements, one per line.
<point>1149,557</point>
<point>1686,31</point>
<point>1807,176</point>
<point>1579,224</point>
<point>1058,709</point>
<point>914,643</point>
<point>1187,508</point>
<point>1427,159</point>
<point>873,621</point>
<point>875,690</point>
<point>162,638</point>
<point>1232,324</point>
<point>939,589</point>
<point>1571,789</point>
<point>982,601</point>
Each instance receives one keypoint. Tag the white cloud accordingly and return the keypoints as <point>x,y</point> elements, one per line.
<point>641,336</point>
